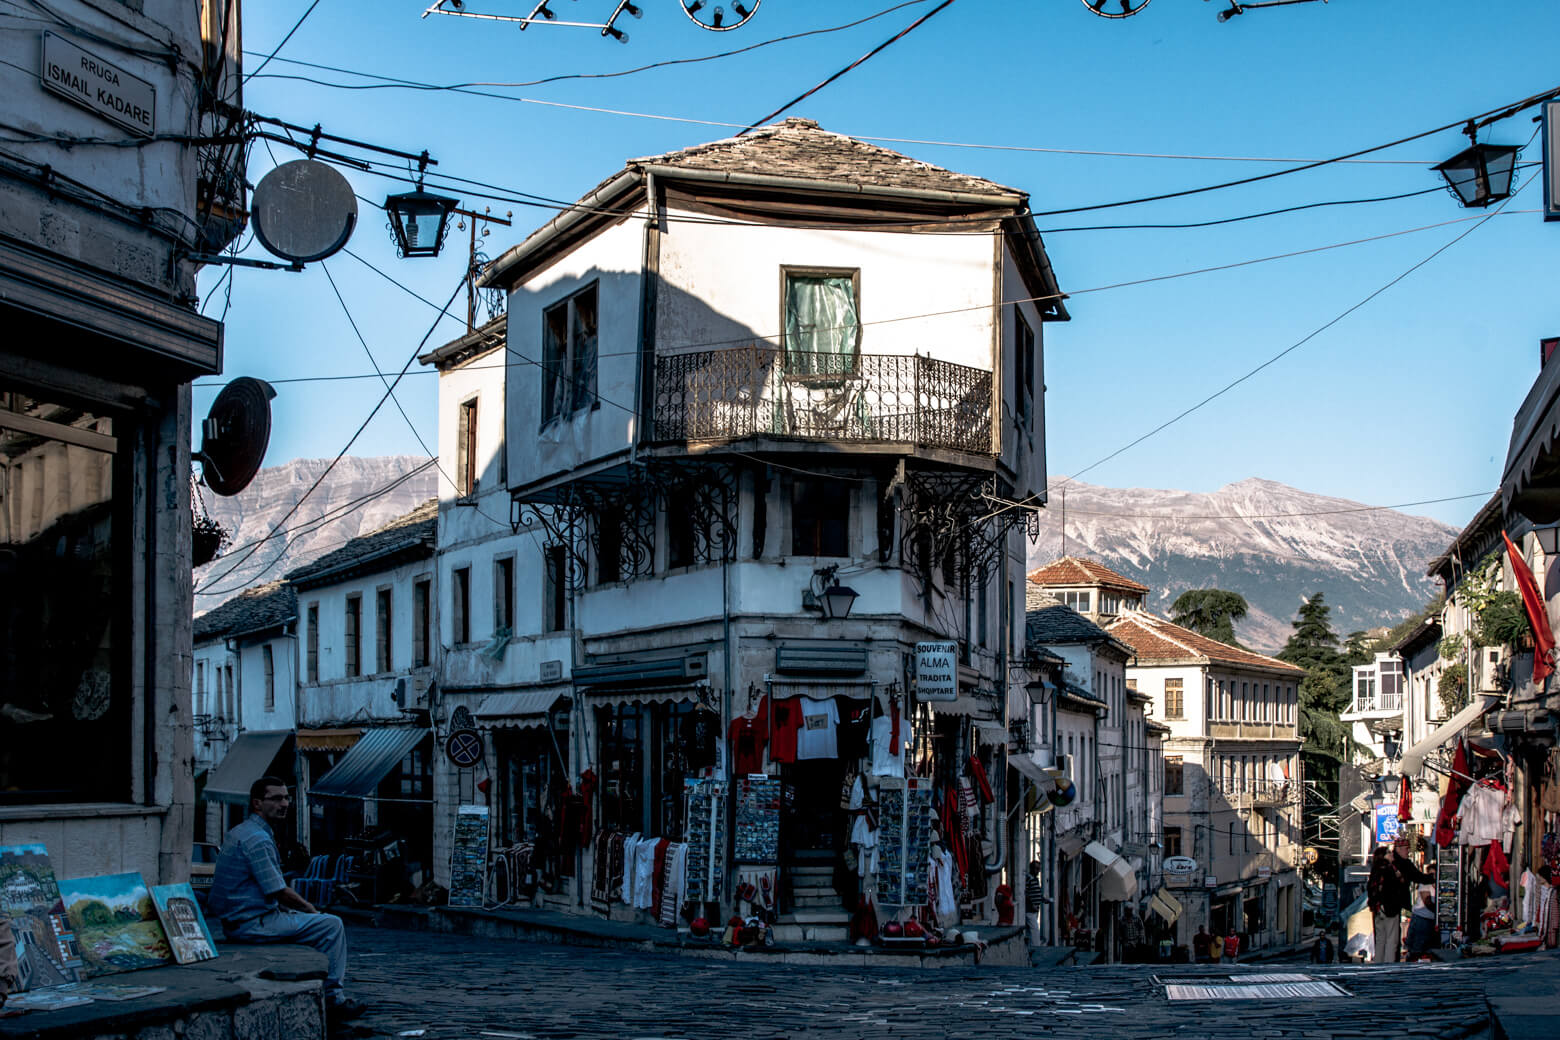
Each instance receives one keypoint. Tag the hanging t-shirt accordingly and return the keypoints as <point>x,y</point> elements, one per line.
<point>816,737</point>
<point>782,737</point>
<point>947,899</point>
<point>884,761</point>
<point>748,737</point>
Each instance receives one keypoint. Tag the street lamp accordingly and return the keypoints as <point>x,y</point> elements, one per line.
<point>1481,173</point>
<point>418,221</point>
<point>835,601</point>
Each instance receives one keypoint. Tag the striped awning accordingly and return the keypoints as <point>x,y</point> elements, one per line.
<point>369,761</point>
<point>782,687</point>
<point>642,695</point>
<point>328,739</point>
<point>518,709</point>
<point>252,756</point>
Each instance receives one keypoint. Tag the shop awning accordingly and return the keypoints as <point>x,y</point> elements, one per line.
<point>1070,847</point>
<point>524,709</point>
<point>1165,905</point>
<point>821,689</point>
<point>642,695</point>
<point>368,762</point>
<point>1414,758</point>
<point>1118,881</point>
<point>993,733</point>
<point>328,739</point>
<point>1027,766</point>
<point>966,704</point>
<point>247,760</point>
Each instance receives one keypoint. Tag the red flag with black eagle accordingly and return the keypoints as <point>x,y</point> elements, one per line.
<point>1538,617</point>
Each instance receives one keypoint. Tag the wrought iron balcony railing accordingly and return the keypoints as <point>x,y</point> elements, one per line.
<point>767,392</point>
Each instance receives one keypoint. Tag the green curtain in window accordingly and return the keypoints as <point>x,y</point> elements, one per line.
<point>820,325</point>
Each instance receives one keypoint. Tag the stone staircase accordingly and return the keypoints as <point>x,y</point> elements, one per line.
<point>816,914</point>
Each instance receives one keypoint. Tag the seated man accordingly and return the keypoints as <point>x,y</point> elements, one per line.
<point>256,905</point>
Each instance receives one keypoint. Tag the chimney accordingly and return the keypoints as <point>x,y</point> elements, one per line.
<point>1546,348</point>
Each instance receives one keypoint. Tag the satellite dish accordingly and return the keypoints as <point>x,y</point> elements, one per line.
<point>235,434</point>
<point>304,211</point>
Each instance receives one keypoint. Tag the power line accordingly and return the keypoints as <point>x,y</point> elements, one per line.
<point>296,26</point>
<point>804,95</point>
<point>1481,221</point>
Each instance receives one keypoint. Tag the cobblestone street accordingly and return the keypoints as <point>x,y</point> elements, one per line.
<point>457,987</point>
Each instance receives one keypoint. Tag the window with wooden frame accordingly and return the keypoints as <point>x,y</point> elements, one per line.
<point>312,642</point>
<point>268,667</point>
<point>1175,775</point>
<point>569,346</point>
<point>466,470</point>
<point>504,594</point>
<point>555,582</point>
<point>1175,703</point>
<point>460,605</point>
<point>383,615</point>
<point>1023,370</point>
<point>1172,842</point>
<point>820,517</point>
<point>422,601</point>
<point>820,319</point>
<point>354,636</point>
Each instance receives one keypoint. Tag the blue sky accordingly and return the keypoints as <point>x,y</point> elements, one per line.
<point>1408,398</point>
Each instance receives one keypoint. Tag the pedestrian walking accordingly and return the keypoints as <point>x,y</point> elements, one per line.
<point>1232,947</point>
<point>1323,951</point>
<point>1215,949</point>
<point>1388,895</point>
<point>1200,943</point>
<point>255,904</point>
<point>1034,900</point>
<point>1423,936</point>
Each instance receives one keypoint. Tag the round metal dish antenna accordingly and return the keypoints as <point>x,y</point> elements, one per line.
<point>304,211</point>
<point>713,16</point>
<point>1119,8</point>
<point>235,434</point>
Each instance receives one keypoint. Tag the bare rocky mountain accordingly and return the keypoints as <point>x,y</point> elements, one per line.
<point>359,495</point>
<point>1245,537</point>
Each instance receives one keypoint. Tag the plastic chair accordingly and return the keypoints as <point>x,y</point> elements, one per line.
<point>311,883</point>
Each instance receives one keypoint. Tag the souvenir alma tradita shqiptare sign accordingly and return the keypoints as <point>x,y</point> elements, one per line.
<point>937,671</point>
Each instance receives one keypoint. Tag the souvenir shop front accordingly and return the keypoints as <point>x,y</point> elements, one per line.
<point>528,790</point>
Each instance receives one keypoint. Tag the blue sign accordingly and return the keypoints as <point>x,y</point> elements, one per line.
<point>1388,827</point>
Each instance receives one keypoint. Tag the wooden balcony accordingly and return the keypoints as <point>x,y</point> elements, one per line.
<point>764,392</point>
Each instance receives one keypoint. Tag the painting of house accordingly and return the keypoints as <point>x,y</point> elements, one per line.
<point>116,923</point>
<point>46,947</point>
<point>184,924</point>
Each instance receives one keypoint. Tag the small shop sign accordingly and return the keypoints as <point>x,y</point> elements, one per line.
<point>1180,865</point>
<point>937,671</point>
<point>99,86</point>
<point>1210,881</point>
<point>1388,827</point>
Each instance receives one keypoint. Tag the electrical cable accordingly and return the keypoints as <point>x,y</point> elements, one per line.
<point>804,95</point>
<point>296,26</point>
<point>207,587</point>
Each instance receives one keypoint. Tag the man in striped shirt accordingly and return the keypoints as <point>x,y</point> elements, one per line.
<point>255,904</point>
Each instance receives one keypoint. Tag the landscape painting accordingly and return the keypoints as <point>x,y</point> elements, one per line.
<point>184,924</point>
<point>116,923</point>
<point>46,950</point>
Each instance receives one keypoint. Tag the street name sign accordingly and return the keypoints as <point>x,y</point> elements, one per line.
<point>98,86</point>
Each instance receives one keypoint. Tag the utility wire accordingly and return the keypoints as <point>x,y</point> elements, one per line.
<point>804,95</point>
<point>296,26</point>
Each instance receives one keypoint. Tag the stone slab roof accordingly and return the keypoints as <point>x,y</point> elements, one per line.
<point>1153,639</point>
<point>1074,570</point>
<point>1059,624</point>
<point>253,610</point>
<point>412,531</point>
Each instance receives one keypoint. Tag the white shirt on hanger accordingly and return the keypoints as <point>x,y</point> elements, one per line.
<point>818,735</point>
<point>885,763</point>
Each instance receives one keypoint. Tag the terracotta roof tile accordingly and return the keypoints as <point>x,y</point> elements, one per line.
<point>1155,639</point>
<point>1074,570</point>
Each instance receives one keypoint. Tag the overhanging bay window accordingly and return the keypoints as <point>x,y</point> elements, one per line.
<point>65,562</point>
<point>821,321</point>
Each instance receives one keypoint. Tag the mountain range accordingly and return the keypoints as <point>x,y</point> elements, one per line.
<point>1271,543</point>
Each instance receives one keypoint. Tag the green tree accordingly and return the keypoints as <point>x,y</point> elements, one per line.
<point>1209,612</point>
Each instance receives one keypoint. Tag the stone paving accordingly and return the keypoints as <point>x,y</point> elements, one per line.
<point>483,989</point>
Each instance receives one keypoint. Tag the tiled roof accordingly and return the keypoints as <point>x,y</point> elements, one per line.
<point>415,529</point>
<point>252,610</point>
<point>1058,624</point>
<point>798,148</point>
<point>481,340</point>
<point>1155,639</point>
<point>1074,570</point>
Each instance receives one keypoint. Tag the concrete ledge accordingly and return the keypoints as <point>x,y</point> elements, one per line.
<point>246,993</point>
<point>1524,1007</point>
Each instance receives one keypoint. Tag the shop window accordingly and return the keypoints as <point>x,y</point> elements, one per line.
<point>382,622</point>
<point>466,450</point>
<point>569,331</point>
<point>820,517</point>
<point>312,642</point>
<point>504,594</point>
<point>1175,705</point>
<point>460,605</point>
<point>422,599</point>
<point>619,732</point>
<point>268,666</point>
<point>555,566</point>
<point>1175,782</point>
<point>821,322</point>
<point>65,551</point>
<point>354,636</point>
<point>416,776</point>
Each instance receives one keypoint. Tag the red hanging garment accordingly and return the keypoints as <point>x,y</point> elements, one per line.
<point>893,733</point>
<point>1496,866</point>
<point>1445,829</point>
<point>978,772</point>
<point>1405,801</point>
